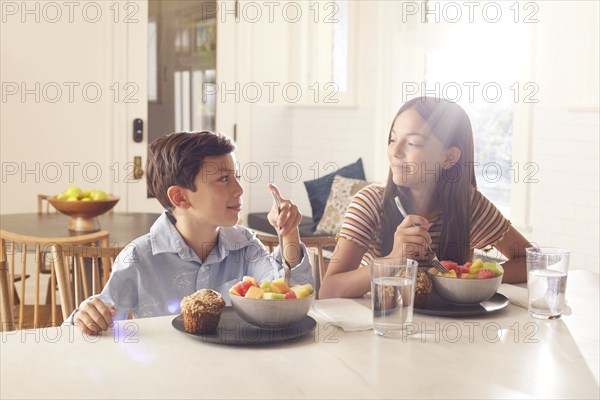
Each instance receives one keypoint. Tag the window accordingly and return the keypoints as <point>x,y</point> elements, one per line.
<point>325,46</point>
<point>483,67</point>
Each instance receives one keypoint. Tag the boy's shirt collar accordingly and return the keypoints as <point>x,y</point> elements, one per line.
<point>165,238</point>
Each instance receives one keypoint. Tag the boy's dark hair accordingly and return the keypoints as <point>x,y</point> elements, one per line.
<point>176,159</point>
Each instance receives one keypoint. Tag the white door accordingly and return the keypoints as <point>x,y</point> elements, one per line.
<point>168,62</point>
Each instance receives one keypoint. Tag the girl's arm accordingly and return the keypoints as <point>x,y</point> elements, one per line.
<point>513,246</point>
<point>343,278</point>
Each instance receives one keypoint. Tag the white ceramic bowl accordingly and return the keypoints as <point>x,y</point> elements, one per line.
<point>272,313</point>
<point>466,292</point>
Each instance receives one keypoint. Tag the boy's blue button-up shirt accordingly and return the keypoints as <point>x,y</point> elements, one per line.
<point>154,272</point>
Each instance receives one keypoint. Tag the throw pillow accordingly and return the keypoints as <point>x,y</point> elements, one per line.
<point>342,192</point>
<point>318,189</point>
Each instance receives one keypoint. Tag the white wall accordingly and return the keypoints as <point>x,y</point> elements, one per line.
<point>40,131</point>
<point>564,204</point>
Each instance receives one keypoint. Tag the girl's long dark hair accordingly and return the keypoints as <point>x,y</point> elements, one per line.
<point>451,125</point>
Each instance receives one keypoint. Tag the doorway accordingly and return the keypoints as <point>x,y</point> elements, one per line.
<point>182,38</point>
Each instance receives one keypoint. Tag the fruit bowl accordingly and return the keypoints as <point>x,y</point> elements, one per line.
<point>272,313</point>
<point>84,214</point>
<point>466,292</point>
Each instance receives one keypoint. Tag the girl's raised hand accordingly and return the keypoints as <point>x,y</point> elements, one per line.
<point>411,239</point>
<point>287,218</point>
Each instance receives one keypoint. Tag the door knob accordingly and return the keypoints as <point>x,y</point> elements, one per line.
<point>138,172</point>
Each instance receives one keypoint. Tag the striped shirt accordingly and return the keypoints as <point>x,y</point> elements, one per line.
<point>363,220</point>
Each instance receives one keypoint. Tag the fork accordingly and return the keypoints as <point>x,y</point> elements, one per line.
<point>435,263</point>
<point>286,267</point>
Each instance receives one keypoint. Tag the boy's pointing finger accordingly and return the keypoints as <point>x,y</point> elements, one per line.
<point>273,188</point>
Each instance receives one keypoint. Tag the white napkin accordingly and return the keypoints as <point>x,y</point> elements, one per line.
<point>345,313</point>
<point>517,295</point>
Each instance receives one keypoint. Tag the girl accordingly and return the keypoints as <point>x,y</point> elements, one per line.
<point>430,151</point>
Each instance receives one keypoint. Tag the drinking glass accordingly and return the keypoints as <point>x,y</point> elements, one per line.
<point>392,295</point>
<point>547,281</point>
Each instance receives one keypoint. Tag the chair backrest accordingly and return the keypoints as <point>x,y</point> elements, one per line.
<point>37,314</point>
<point>70,265</point>
<point>8,319</point>
<point>318,244</point>
<point>43,205</point>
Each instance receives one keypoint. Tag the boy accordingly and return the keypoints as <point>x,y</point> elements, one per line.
<point>196,243</point>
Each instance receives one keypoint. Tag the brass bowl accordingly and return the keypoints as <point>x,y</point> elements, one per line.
<point>84,214</point>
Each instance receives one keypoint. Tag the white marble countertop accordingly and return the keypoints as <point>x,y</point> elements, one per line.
<point>503,355</point>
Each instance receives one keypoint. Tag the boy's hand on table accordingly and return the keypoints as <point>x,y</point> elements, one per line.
<point>288,218</point>
<point>94,316</point>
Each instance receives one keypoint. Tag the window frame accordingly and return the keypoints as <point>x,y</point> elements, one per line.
<point>312,60</point>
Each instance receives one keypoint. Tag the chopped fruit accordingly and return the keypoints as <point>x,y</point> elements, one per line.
<point>485,274</point>
<point>290,295</point>
<point>476,267</point>
<point>451,274</point>
<point>273,296</point>
<point>279,287</point>
<point>494,267</point>
<point>254,293</point>
<point>275,290</point>
<point>303,290</point>
<point>242,287</point>
<point>464,269</point>
<point>251,280</point>
<point>450,265</point>
<point>476,270</point>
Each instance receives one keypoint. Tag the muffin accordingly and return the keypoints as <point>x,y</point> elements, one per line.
<point>423,288</point>
<point>202,311</point>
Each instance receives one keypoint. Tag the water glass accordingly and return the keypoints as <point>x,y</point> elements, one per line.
<point>547,281</point>
<point>392,295</point>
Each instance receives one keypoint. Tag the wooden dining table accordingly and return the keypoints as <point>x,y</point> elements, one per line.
<point>506,354</point>
<point>123,227</point>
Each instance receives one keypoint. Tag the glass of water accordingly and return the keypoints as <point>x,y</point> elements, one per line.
<point>392,295</point>
<point>547,281</point>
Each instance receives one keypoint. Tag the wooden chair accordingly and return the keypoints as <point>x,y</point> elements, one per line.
<point>8,320</point>
<point>70,268</point>
<point>43,206</point>
<point>318,244</point>
<point>43,203</point>
<point>36,315</point>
